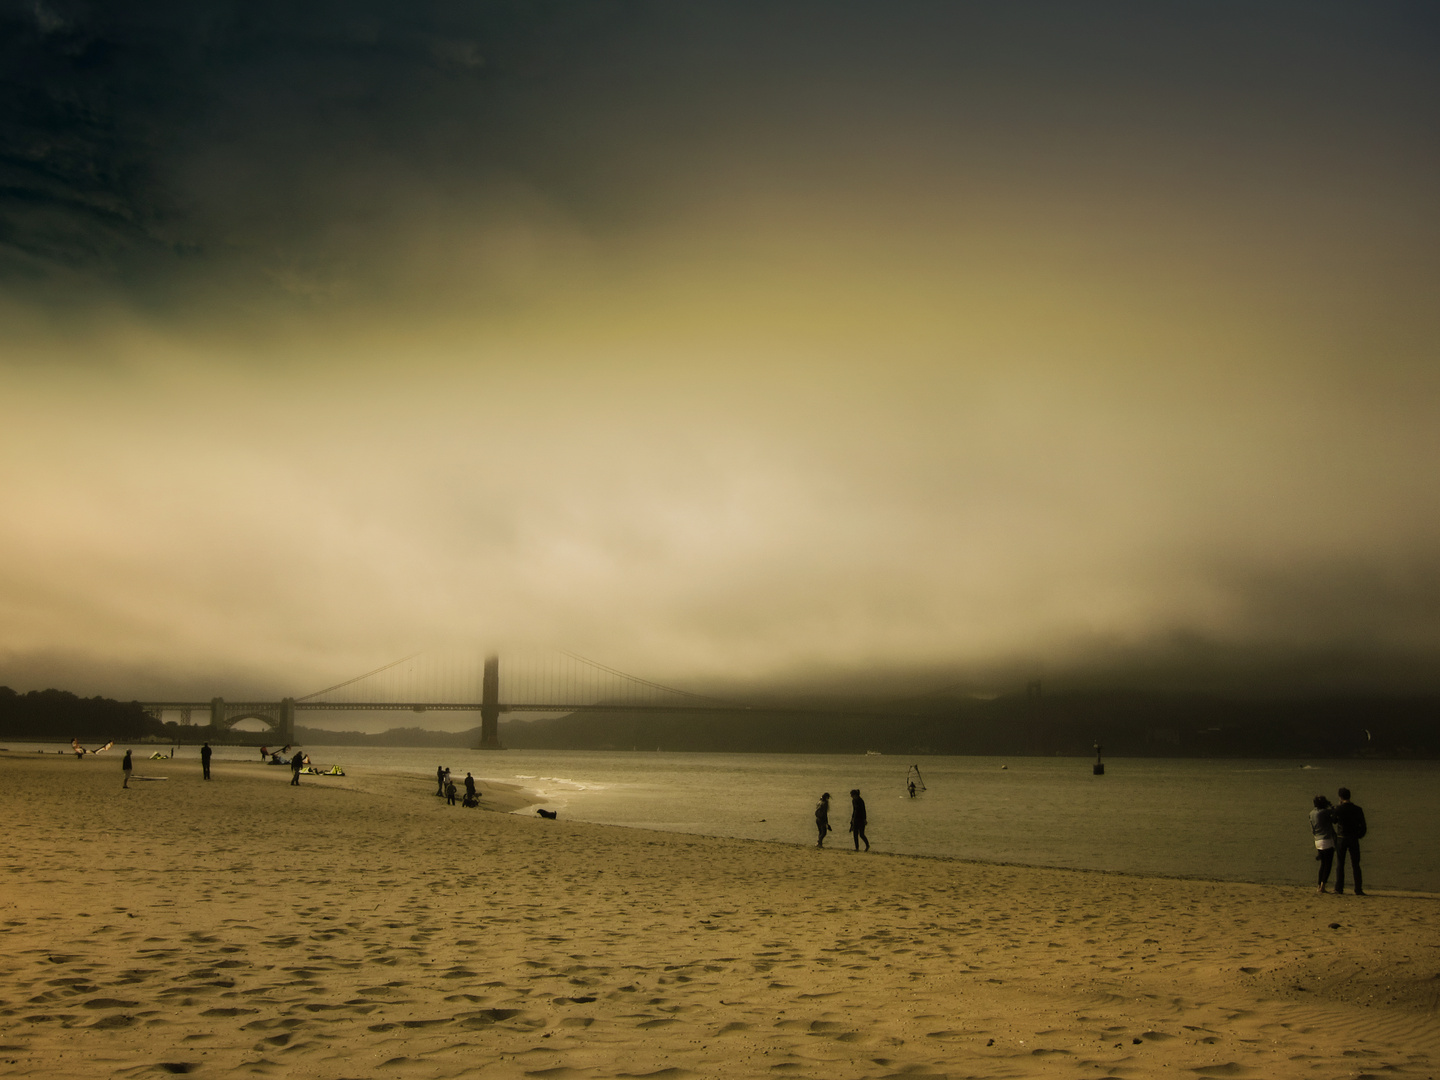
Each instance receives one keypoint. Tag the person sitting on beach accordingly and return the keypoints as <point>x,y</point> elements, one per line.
<point>857,819</point>
<point>1324,833</point>
<point>822,818</point>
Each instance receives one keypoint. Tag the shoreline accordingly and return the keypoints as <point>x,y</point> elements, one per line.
<point>512,798</point>
<point>358,927</point>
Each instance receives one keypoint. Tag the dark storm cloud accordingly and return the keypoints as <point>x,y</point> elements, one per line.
<point>137,137</point>
<point>166,140</point>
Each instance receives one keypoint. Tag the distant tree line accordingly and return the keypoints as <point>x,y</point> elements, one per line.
<point>58,715</point>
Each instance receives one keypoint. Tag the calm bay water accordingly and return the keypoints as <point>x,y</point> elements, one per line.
<point>1226,820</point>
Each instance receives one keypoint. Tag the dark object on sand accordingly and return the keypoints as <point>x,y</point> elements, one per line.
<point>551,814</point>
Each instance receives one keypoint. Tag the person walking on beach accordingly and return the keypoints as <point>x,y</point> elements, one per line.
<point>126,767</point>
<point>296,764</point>
<point>857,819</point>
<point>205,753</point>
<point>1349,822</point>
<point>439,779</point>
<point>822,818</point>
<point>1323,830</point>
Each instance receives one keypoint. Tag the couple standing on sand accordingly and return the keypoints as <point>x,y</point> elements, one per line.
<point>857,818</point>
<point>1337,829</point>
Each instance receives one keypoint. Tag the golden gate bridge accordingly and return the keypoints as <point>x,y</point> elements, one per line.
<point>456,681</point>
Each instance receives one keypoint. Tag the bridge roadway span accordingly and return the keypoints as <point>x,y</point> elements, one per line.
<point>280,715</point>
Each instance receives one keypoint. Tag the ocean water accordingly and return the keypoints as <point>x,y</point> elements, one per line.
<point>1225,820</point>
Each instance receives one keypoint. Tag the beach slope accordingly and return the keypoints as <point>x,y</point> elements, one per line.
<point>359,927</point>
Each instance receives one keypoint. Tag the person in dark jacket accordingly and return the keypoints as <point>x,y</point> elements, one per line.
<point>1324,833</point>
<point>126,767</point>
<point>205,753</point>
<point>296,764</point>
<point>1349,821</point>
<point>857,819</point>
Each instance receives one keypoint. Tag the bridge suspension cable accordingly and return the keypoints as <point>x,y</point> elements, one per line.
<point>558,681</point>
<point>653,685</point>
<point>357,678</point>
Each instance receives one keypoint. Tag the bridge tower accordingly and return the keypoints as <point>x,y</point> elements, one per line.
<point>490,705</point>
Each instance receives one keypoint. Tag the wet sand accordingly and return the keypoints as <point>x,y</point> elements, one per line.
<point>358,926</point>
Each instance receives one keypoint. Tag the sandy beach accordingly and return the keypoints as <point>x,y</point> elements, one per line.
<point>358,926</point>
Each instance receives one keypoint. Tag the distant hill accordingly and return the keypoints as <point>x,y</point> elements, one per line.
<point>1124,724</point>
<point>308,736</point>
<point>57,715</point>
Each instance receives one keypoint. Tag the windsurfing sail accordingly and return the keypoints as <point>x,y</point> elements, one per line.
<point>914,782</point>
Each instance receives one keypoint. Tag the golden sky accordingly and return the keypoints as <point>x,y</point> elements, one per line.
<point>724,343</point>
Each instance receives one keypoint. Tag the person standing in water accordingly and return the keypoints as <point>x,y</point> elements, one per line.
<point>126,767</point>
<point>857,819</point>
<point>822,818</point>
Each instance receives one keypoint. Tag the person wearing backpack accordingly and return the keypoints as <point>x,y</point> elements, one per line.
<point>1349,822</point>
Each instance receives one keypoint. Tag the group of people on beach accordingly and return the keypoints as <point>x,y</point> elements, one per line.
<point>857,819</point>
<point>1338,830</point>
<point>445,787</point>
<point>298,763</point>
